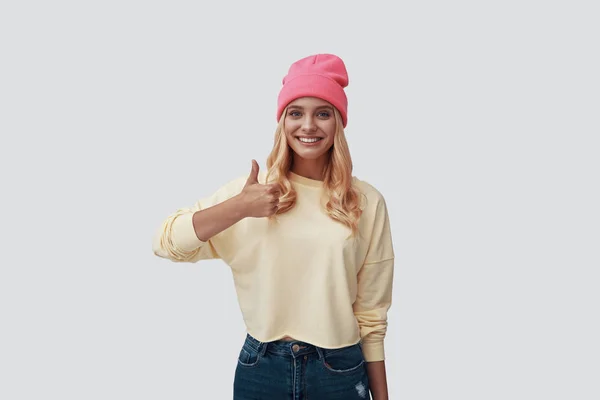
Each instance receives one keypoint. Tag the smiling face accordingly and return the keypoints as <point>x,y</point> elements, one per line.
<point>310,127</point>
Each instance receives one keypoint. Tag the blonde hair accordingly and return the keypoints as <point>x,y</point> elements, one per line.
<point>343,198</point>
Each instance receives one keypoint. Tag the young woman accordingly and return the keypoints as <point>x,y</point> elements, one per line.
<point>310,249</point>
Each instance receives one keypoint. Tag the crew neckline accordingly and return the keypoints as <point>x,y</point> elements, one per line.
<point>304,180</point>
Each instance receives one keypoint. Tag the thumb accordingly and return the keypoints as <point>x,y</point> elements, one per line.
<point>253,178</point>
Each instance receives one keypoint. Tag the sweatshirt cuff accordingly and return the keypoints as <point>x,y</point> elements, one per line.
<point>373,351</point>
<point>184,234</point>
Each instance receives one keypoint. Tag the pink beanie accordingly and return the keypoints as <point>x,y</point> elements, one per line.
<point>321,75</point>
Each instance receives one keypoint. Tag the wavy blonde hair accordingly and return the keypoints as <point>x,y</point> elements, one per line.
<point>342,197</point>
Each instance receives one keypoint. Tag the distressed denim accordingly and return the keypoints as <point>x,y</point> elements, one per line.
<point>296,370</point>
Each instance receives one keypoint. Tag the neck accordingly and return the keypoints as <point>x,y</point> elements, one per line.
<point>312,169</point>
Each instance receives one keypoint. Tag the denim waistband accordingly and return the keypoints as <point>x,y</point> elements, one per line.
<point>292,348</point>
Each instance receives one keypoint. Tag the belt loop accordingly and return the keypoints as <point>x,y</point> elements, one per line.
<point>263,348</point>
<point>320,351</point>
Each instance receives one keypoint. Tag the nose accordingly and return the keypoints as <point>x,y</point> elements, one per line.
<point>308,125</point>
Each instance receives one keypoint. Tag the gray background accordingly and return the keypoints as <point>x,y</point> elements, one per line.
<point>478,122</point>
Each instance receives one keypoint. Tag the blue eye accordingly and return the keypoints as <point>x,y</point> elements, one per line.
<point>293,112</point>
<point>324,112</point>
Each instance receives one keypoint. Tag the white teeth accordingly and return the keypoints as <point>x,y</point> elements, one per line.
<point>312,140</point>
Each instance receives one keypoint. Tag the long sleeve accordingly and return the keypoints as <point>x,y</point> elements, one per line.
<point>374,295</point>
<point>176,238</point>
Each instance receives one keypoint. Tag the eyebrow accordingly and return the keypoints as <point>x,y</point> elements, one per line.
<point>319,107</point>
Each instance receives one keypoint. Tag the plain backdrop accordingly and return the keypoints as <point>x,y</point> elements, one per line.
<point>477,121</point>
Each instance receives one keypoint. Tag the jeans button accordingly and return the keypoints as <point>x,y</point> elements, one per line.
<point>295,348</point>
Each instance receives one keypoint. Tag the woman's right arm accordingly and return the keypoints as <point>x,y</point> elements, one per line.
<point>211,221</point>
<point>185,235</point>
<point>189,234</point>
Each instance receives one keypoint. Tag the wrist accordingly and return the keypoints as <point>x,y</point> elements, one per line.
<point>239,206</point>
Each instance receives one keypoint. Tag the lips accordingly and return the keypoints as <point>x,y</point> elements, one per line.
<point>311,143</point>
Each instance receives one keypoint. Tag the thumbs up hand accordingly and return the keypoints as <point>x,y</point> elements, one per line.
<point>257,199</point>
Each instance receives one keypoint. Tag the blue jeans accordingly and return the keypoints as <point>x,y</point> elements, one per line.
<point>295,370</point>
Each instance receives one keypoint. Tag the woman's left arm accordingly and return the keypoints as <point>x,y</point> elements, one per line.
<point>374,298</point>
<point>377,380</point>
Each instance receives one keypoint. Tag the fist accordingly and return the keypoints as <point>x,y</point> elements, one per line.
<point>259,200</point>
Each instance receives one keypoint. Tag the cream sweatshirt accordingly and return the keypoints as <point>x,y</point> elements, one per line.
<point>300,276</point>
